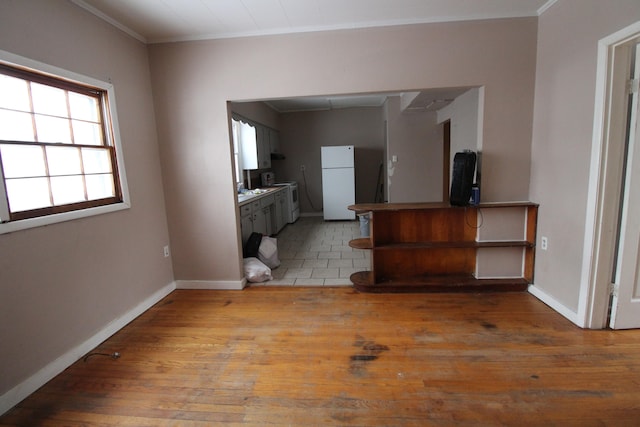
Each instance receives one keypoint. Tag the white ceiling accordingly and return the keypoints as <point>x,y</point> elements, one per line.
<point>321,103</point>
<point>156,21</point>
<point>425,100</point>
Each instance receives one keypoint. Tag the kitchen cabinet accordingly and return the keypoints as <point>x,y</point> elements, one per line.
<point>258,216</point>
<point>259,222</point>
<point>280,209</point>
<point>274,142</point>
<point>246,222</point>
<point>265,214</point>
<point>264,147</point>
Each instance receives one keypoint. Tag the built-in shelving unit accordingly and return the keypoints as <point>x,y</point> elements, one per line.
<point>435,247</point>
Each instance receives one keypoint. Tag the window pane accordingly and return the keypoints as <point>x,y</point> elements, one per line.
<point>96,160</point>
<point>27,193</point>
<point>15,93</point>
<point>236,159</point>
<point>19,161</point>
<point>53,129</point>
<point>235,125</point>
<point>56,148</point>
<point>84,107</point>
<point>49,100</point>
<point>64,161</point>
<point>86,133</point>
<point>15,126</point>
<point>100,186</point>
<point>67,189</point>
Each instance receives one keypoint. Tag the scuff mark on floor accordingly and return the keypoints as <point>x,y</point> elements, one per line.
<point>368,351</point>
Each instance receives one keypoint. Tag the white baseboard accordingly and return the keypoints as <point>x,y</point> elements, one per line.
<point>555,304</point>
<point>37,380</point>
<point>220,285</point>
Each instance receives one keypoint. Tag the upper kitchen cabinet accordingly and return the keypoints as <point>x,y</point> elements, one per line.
<point>264,147</point>
<point>274,143</point>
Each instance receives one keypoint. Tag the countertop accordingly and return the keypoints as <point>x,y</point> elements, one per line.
<point>246,198</point>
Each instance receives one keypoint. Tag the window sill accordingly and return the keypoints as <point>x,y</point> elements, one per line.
<point>10,227</point>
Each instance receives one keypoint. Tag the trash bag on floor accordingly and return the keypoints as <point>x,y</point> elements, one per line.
<point>255,271</point>
<point>250,249</point>
<point>268,252</point>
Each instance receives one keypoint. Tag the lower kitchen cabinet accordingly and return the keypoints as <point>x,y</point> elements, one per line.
<point>262,215</point>
<point>259,221</point>
<point>280,211</point>
<point>246,222</point>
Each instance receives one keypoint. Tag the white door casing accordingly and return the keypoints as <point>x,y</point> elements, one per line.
<point>625,304</point>
<point>607,159</point>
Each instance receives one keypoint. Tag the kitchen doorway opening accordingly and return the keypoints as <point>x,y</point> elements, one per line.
<point>446,159</point>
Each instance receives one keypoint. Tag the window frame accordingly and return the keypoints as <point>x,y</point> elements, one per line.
<point>112,138</point>
<point>237,150</point>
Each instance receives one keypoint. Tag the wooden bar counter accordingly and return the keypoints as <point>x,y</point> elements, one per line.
<point>434,247</point>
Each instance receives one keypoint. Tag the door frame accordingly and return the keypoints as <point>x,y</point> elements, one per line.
<point>604,179</point>
<point>446,159</point>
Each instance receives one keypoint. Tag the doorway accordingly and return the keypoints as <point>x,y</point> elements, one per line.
<point>446,159</point>
<point>607,199</point>
<point>625,297</point>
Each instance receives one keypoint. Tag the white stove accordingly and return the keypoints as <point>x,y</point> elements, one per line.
<point>293,204</point>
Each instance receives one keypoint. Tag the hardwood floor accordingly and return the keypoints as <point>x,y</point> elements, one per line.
<point>332,356</point>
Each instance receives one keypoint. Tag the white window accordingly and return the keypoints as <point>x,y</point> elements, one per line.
<point>59,148</point>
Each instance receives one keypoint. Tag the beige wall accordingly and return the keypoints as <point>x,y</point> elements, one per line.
<point>415,139</point>
<point>193,81</point>
<point>465,114</point>
<point>303,133</point>
<point>62,283</point>
<point>568,37</point>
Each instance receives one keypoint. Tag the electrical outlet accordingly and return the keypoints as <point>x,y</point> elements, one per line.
<point>166,251</point>
<point>302,168</point>
<point>544,243</point>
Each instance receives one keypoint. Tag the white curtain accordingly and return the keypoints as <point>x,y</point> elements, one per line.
<point>245,142</point>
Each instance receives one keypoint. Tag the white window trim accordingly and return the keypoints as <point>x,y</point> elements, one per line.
<point>20,61</point>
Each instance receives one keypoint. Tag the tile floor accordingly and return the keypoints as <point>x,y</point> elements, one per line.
<point>315,252</point>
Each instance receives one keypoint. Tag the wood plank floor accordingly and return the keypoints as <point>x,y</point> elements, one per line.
<point>332,356</point>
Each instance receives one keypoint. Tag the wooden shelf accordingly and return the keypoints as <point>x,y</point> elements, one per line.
<point>369,207</point>
<point>363,281</point>
<point>435,247</point>
<point>362,243</point>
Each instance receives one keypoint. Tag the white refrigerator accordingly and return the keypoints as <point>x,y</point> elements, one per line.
<point>338,182</point>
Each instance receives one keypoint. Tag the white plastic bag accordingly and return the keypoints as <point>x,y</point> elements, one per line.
<point>268,252</point>
<point>255,271</point>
